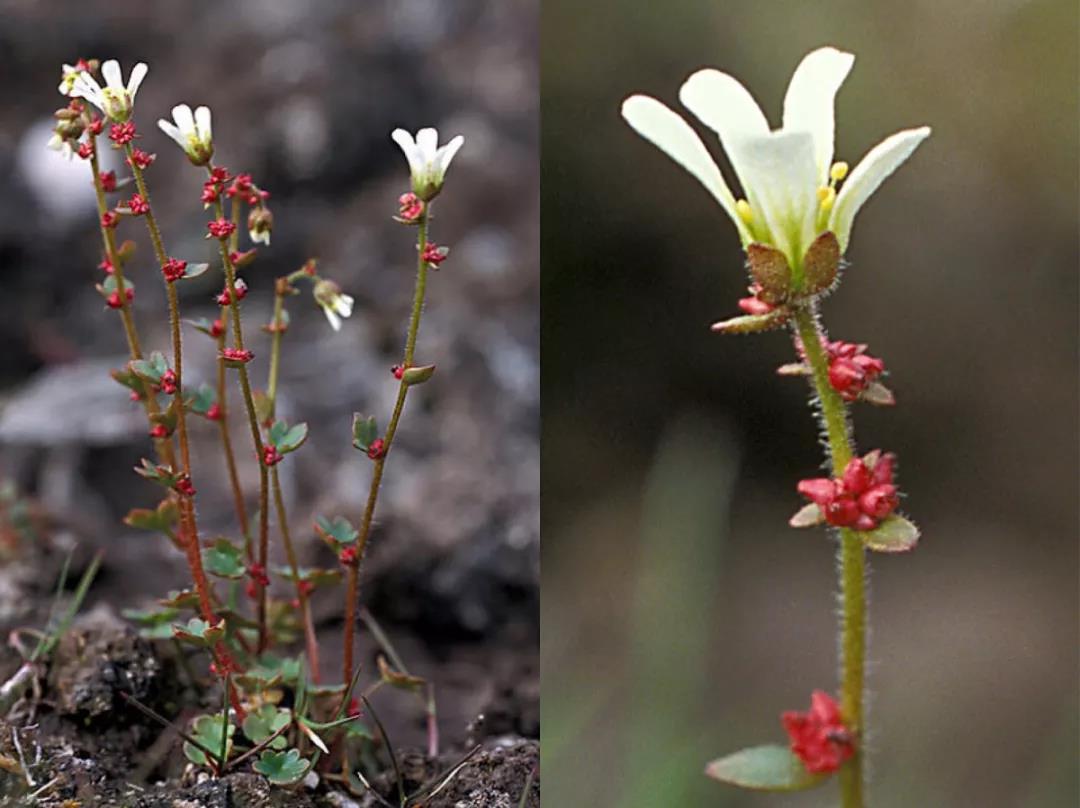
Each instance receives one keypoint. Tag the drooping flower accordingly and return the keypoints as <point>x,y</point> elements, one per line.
<point>260,224</point>
<point>818,737</point>
<point>114,99</point>
<point>427,160</point>
<point>788,177</point>
<point>191,132</point>
<point>335,303</point>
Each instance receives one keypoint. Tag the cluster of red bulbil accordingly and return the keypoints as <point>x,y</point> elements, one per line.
<point>173,269</point>
<point>220,228</point>
<point>213,412</point>
<point>122,133</point>
<point>159,431</point>
<point>818,737</point>
<point>237,355</point>
<point>106,266</point>
<point>433,254</point>
<point>96,125</point>
<point>224,298</point>
<point>185,486</point>
<point>85,150</point>
<point>347,556</point>
<point>244,187</point>
<point>168,382</point>
<point>113,301</point>
<point>138,205</point>
<point>217,328</point>
<point>851,369</point>
<point>110,219</point>
<point>410,207</point>
<point>376,449</point>
<point>754,304</point>
<point>258,574</point>
<point>140,159</point>
<point>271,456</point>
<point>108,181</point>
<point>398,371</point>
<point>861,497</point>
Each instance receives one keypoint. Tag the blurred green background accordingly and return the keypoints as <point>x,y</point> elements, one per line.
<point>680,614</point>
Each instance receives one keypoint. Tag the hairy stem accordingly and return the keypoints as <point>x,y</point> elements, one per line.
<point>388,439</point>
<point>852,557</point>
<point>226,441</point>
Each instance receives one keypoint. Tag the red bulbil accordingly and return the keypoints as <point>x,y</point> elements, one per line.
<point>410,207</point>
<point>140,159</point>
<point>376,449</point>
<point>398,371</point>
<point>96,126</point>
<point>138,205</point>
<point>220,174</point>
<point>210,193</point>
<point>168,382</point>
<point>347,556</point>
<point>241,184</point>
<point>85,150</point>
<point>271,456</point>
<point>134,395</point>
<point>185,486</point>
<point>220,228</point>
<point>252,590</point>
<point>108,181</point>
<point>851,369</point>
<point>862,496</point>
<point>110,219</point>
<point>434,255</point>
<point>217,328</point>
<point>122,133</point>
<point>819,737</point>
<point>237,355</point>
<point>258,574</point>
<point>106,266</point>
<point>213,412</point>
<point>305,588</point>
<point>754,304</point>
<point>113,300</point>
<point>225,298</point>
<point>174,269</point>
<point>159,432</point>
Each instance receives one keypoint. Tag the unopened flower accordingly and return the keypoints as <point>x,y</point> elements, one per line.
<point>335,303</point>
<point>140,159</point>
<point>410,207</point>
<point>788,176</point>
<point>236,356</point>
<point>138,205</point>
<point>114,99</point>
<point>433,254</point>
<point>191,132</point>
<point>819,737</point>
<point>260,223</point>
<point>168,382</point>
<point>174,269</point>
<point>122,133</point>
<point>220,228</point>
<point>376,449</point>
<point>861,497</point>
<point>108,181</point>
<point>427,160</point>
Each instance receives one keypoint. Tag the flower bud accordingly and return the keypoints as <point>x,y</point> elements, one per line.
<point>260,223</point>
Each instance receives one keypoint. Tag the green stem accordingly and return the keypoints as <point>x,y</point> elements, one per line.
<point>852,557</point>
<point>388,439</point>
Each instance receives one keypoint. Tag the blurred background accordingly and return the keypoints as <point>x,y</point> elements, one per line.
<point>304,97</point>
<point>681,614</point>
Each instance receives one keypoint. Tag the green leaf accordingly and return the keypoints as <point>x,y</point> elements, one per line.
<point>182,599</point>
<point>418,375</point>
<point>262,406</point>
<point>395,678</point>
<point>282,768</point>
<point>764,768</point>
<point>288,439</point>
<point>895,534</point>
<point>198,632</point>
<point>364,431</point>
<point>195,270</point>
<point>270,670</point>
<point>159,474</point>
<point>202,324</point>
<point>207,730</point>
<point>151,369</point>
<point>878,394</point>
<point>807,516</point>
<point>154,624</point>
<point>313,575</point>
<point>338,531</point>
<point>224,559</point>
<point>109,284</point>
<point>262,723</point>
<point>160,519</point>
<point>202,399</point>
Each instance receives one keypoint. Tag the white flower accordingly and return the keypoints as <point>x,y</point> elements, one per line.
<point>70,74</point>
<point>114,99</point>
<point>788,175</point>
<point>62,145</point>
<point>192,133</point>
<point>335,304</point>
<point>427,160</point>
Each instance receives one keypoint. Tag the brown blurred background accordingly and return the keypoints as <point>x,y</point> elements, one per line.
<point>304,97</point>
<point>681,614</point>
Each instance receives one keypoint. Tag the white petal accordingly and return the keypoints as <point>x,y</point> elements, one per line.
<point>343,304</point>
<point>724,105</point>
<point>138,73</point>
<point>674,136</point>
<point>172,132</point>
<point>808,105</point>
<point>428,142</point>
<point>111,73</point>
<point>335,321</point>
<point>879,163</point>
<point>446,154</point>
<point>202,123</point>
<point>184,121</point>
<point>412,152</point>
<point>779,180</point>
<point>86,86</point>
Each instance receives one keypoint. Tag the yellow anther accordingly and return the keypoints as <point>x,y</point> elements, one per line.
<point>742,207</point>
<point>827,196</point>
<point>838,171</point>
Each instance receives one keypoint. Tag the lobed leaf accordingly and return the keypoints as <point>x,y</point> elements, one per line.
<point>224,559</point>
<point>364,431</point>
<point>282,768</point>
<point>260,724</point>
<point>895,534</point>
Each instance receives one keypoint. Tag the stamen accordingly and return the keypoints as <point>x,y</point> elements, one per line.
<point>838,171</point>
<point>742,207</point>
<point>826,196</point>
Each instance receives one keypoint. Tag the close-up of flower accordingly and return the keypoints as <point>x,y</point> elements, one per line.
<point>428,161</point>
<point>191,132</point>
<point>115,99</point>
<point>335,304</point>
